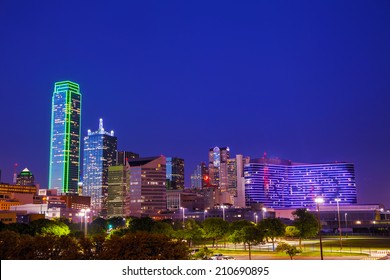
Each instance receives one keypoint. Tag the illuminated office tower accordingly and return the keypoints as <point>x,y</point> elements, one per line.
<point>64,165</point>
<point>25,178</point>
<point>200,177</point>
<point>118,191</point>
<point>99,154</point>
<point>280,183</point>
<point>175,173</point>
<point>147,186</point>
<point>218,167</point>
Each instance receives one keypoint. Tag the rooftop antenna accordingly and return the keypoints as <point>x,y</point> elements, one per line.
<point>101,129</point>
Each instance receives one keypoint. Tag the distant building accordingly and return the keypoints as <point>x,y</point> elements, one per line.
<point>175,173</point>
<point>25,178</point>
<point>118,191</point>
<point>7,188</point>
<point>99,154</point>
<point>280,183</point>
<point>147,185</point>
<point>65,137</point>
<point>218,167</point>
<point>200,177</point>
<point>122,157</point>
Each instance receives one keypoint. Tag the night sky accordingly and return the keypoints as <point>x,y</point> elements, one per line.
<point>307,81</point>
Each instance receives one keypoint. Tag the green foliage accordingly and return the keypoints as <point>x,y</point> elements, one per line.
<point>49,227</point>
<point>144,224</point>
<point>215,229</point>
<point>143,246</point>
<point>203,254</point>
<point>98,227</point>
<point>237,225</point>
<point>163,227</point>
<point>272,229</point>
<point>290,250</point>
<point>116,222</point>
<point>250,235</point>
<point>192,232</point>
<point>291,231</point>
<point>306,224</point>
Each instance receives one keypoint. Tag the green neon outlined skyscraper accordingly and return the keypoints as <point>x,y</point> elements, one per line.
<point>65,137</point>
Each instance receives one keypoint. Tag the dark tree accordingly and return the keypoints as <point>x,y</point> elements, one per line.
<point>215,229</point>
<point>306,224</point>
<point>272,228</point>
<point>143,246</point>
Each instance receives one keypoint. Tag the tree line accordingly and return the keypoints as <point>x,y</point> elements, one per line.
<point>144,238</point>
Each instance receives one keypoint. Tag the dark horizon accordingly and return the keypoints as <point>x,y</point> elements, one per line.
<point>308,81</point>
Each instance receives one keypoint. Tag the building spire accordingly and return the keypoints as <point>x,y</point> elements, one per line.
<point>101,129</point>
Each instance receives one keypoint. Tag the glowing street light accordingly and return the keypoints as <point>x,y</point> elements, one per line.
<point>256,216</point>
<point>204,214</point>
<point>183,216</point>
<point>338,217</point>
<point>84,213</point>
<point>223,211</point>
<point>264,211</point>
<point>318,201</point>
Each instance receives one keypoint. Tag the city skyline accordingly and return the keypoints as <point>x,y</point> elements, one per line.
<point>308,82</point>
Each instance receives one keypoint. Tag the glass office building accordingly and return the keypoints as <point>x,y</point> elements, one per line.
<point>99,154</point>
<point>283,184</point>
<point>175,173</point>
<point>64,166</point>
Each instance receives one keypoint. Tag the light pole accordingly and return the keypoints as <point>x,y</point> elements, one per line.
<point>346,224</point>
<point>256,218</point>
<point>338,218</point>
<point>223,212</point>
<point>319,200</point>
<point>204,215</point>
<point>84,213</point>
<point>264,210</point>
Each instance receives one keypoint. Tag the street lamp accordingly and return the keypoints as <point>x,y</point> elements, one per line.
<point>264,210</point>
<point>84,213</point>
<point>318,201</point>
<point>338,217</point>
<point>256,218</point>
<point>204,215</point>
<point>183,216</point>
<point>346,224</point>
<point>223,211</point>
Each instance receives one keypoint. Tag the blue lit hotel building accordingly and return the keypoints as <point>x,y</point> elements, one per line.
<point>279,184</point>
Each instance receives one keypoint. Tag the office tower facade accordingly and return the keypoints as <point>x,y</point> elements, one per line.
<point>175,173</point>
<point>99,154</point>
<point>122,157</point>
<point>218,167</point>
<point>64,165</point>
<point>200,177</point>
<point>279,183</point>
<point>25,178</point>
<point>147,185</point>
<point>118,191</point>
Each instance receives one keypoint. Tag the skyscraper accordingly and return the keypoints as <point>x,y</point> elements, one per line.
<point>200,177</point>
<point>25,178</point>
<point>64,166</point>
<point>175,173</point>
<point>99,154</point>
<point>218,168</point>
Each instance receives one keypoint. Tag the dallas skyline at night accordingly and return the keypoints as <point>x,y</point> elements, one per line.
<point>308,82</point>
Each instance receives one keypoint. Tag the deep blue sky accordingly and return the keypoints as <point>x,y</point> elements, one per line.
<point>307,81</point>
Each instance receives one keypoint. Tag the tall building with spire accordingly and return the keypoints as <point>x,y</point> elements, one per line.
<point>99,154</point>
<point>64,165</point>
